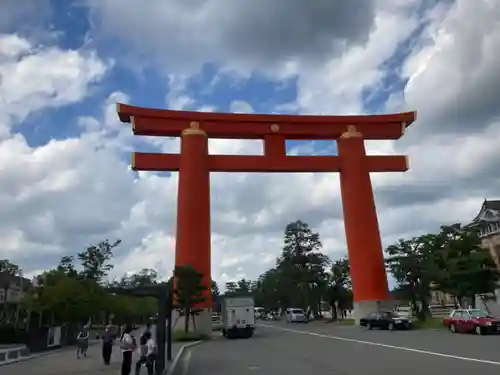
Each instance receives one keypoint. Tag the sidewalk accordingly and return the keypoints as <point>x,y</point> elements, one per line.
<point>64,362</point>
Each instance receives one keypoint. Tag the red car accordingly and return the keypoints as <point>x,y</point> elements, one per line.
<point>472,320</point>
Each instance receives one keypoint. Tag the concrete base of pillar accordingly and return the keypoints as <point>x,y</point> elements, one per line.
<point>202,322</point>
<point>363,308</point>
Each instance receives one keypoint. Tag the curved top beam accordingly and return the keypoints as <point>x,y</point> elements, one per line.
<point>125,112</point>
<point>168,123</point>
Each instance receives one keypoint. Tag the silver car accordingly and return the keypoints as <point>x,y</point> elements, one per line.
<point>295,316</point>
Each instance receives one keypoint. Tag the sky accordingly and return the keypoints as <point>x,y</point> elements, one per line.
<point>65,180</point>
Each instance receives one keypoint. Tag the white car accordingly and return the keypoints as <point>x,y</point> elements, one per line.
<point>295,315</point>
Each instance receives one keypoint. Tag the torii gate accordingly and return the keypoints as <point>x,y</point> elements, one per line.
<point>194,164</point>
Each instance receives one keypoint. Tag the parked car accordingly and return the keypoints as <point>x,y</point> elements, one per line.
<point>294,315</point>
<point>472,320</point>
<point>386,320</point>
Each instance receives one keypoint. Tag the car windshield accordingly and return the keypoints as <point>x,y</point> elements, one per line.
<point>297,311</point>
<point>388,314</point>
<point>478,314</point>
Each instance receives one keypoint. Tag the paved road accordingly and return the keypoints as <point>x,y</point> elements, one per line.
<point>324,348</point>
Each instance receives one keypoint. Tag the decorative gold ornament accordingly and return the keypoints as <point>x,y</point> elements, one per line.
<point>132,161</point>
<point>194,129</point>
<point>351,133</point>
<point>275,128</point>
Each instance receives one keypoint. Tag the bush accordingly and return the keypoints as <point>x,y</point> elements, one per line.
<point>430,323</point>
<point>181,336</point>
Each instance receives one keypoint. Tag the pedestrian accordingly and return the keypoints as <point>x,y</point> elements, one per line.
<point>128,345</point>
<point>83,342</point>
<point>143,349</point>
<point>151,353</point>
<point>107,345</point>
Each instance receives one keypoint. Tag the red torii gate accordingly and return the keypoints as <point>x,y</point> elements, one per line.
<point>194,164</point>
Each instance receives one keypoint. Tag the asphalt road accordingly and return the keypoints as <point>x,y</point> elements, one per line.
<point>324,348</point>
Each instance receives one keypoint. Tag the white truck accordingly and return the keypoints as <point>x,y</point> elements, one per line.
<point>238,317</point>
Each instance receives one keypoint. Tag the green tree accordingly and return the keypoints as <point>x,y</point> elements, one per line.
<point>95,260</point>
<point>466,268</point>
<point>231,288</point>
<point>144,277</point>
<point>339,286</point>
<point>302,265</point>
<point>6,266</point>
<point>268,293</point>
<point>412,264</point>
<point>8,273</point>
<point>188,291</point>
<point>215,292</point>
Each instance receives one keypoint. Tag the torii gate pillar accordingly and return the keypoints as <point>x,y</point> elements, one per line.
<point>192,246</point>
<point>364,246</point>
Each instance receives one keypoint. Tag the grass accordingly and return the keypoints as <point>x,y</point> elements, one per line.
<point>181,336</point>
<point>345,322</point>
<point>342,322</point>
<point>430,323</point>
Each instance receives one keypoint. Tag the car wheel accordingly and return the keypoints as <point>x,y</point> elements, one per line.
<point>452,328</point>
<point>391,326</point>
<point>368,326</point>
<point>478,330</point>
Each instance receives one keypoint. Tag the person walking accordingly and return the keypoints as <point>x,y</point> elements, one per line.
<point>107,345</point>
<point>150,353</point>
<point>83,342</point>
<point>143,349</point>
<point>128,345</point>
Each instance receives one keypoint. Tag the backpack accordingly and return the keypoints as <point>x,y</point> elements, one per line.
<point>134,342</point>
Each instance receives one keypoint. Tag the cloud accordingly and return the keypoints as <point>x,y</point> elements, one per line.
<point>65,194</point>
<point>239,36</point>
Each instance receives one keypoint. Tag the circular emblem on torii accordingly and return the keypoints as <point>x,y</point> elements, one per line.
<point>275,128</point>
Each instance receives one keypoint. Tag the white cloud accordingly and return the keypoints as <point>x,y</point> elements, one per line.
<point>68,193</point>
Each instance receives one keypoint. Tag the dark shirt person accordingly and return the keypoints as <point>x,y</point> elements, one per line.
<point>107,345</point>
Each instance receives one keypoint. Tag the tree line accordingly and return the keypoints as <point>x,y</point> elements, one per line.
<point>76,292</point>
<point>451,261</point>
<point>78,289</point>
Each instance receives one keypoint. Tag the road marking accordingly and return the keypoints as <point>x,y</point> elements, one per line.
<point>186,360</point>
<point>340,338</point>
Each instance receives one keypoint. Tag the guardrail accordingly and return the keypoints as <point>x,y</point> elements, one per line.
<point>13,354</point>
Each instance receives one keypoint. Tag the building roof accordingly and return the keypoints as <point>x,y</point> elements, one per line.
<point>490,211</point>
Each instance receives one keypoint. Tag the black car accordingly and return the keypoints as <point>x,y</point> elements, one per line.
<point>385,320</point>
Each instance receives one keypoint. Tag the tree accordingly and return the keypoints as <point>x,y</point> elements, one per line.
<point>412,263</point>
<point>188,291</point>
<point>268,292</point>
<point>339,286</point>
<point>466,268</point>
<point>302,264</point>
<point>144,277</point>
<point>214,290</point>
<point>8,273</point>
<point>95,260</point>
<point>6,266</point>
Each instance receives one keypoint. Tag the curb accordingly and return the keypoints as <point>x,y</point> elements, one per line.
<point>176,361</point>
